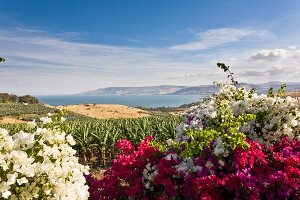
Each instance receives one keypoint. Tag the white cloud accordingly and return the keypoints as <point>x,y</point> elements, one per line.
<point>275,54</point>
<point>272,54</point>
<point>44,64</point>
<point>217,37</point>
<point>293,47</point>
<point>41,63</point>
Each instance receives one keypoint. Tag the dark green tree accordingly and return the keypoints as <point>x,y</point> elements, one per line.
<point>28,99</point>
<point>5,97</point>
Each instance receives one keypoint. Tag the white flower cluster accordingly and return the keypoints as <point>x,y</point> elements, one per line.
<point>275,116</point>
<point>187,166</point>
<point>171,156</point>
<point>149,174</point>
<point>180,133</point>
<point>40,165</point>
<point>196,119</point>
<point>219,148</point>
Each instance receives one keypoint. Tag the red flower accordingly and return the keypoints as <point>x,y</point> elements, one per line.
<point>259,172</point>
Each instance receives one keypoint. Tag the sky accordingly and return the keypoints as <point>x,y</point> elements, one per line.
<point>71,46</point>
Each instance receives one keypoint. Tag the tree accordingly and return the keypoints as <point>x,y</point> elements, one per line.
<point>5,97</point>
<point>28,99</point>
<point>2,59</point>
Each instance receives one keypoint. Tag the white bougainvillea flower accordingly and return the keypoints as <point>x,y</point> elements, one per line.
<point>40,165</point>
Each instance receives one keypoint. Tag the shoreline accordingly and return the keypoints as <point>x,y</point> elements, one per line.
<point>105,111</point>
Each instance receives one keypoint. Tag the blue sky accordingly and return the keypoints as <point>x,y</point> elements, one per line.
<point>60,46</point>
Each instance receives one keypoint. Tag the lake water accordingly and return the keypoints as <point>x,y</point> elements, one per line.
<point>144,101</point>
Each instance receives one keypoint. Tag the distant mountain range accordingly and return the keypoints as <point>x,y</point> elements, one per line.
<point>148,90</point>
<point>185,90</point>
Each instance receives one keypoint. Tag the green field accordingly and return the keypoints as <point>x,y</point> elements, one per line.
<point>33,111</point>
<point>96,139</point>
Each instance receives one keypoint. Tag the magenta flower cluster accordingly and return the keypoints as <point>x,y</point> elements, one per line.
<point>259,172</point>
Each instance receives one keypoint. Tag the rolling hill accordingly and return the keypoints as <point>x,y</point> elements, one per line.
<point>184,90</point>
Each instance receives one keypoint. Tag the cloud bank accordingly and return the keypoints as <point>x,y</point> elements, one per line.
<point>42,63</point>
<point>276,54</point>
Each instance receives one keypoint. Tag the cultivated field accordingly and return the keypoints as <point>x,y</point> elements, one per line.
<point>96,138</point>
<point>19,112</point>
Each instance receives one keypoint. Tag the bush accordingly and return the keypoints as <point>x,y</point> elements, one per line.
<point>28,99</point>
<point>5,97</point>
<point>11,98</point>
<point>234,145</point>
<point>40,164</point>
<point>258,172</point>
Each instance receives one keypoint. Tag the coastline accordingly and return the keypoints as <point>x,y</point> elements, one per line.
<point>109,111</point>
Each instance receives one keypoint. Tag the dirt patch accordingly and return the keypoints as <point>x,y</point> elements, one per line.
<point>10,120</point>
<point>293,94</point>
<point>106,111</point>
<point>98,174</point>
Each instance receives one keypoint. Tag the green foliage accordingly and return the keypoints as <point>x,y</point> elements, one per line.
<point>224,126</point>
<point>252,91</point>
<point>28,99</point>
<point>271,92</point>
<point>17,109</point>
<point>5,98</point>
<point>2,59</point>
<point>230,74</point>
<point>282,89</point>
<point>280,92</point>
<point>15,128</point>
<point>34,111</point>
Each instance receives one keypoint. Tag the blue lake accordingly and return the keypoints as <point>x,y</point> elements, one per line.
<point>144,101</point>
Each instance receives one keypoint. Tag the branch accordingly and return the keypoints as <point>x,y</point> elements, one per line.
<point>230,74</point>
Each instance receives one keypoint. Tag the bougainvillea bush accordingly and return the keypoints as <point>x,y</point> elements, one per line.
<point>40,164</point>
<point>235,145</point>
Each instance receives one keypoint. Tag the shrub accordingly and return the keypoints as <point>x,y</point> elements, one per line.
<point>28,99</point>
<point>258,172</point>
<point>40,164</point>
<point>234,145</point>
<point>11,98</point>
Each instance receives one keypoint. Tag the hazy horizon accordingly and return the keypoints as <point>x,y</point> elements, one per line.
<point>78,93</point>
<point>68,47</point>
